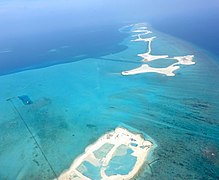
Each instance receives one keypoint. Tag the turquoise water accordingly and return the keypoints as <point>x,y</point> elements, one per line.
<point>103,151</point>
<point>121,164</point>
<point>75,103</point>
<point>160,63</point>
<point>92,171</point>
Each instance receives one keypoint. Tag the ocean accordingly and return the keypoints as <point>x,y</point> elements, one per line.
<point>43,49</point>
<point>74,103</point>
<point>60,91</point>
<point>200,29</point>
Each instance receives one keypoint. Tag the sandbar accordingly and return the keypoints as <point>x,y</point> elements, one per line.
<point>168,71</point>
<point>143,39</point>
<point>149,57</point>
<point>184,60</point>
<point>140,30</point>
<point>142,34</point>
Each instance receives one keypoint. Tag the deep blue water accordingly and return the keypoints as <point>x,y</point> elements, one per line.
<point>40,34</point>
<point>41,49</point>
<point>200,29</point>
<point>58,46</point>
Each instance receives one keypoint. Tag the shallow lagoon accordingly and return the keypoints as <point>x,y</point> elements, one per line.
<point>121,164</point>
<point>75,103</point>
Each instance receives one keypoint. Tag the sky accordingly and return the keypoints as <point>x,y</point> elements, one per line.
<point>23,15</point>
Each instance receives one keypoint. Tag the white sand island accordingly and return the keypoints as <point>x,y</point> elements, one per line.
<point>100,154</point>
<point>147,56</point>
<point>185,60</point>
<point>143,39</point>
<point>145,32</point>
<point>140,30</point>
<point>168,71</point>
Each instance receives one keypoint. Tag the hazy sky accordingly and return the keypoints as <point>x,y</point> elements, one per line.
<point>25,15</point>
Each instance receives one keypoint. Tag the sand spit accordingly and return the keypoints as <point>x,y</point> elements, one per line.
<point>120,136</point>
<point>142,34</point>
<point>168,71</point>
<point>143,39</point>
<point>141,31</point>
<point>148,56</point>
